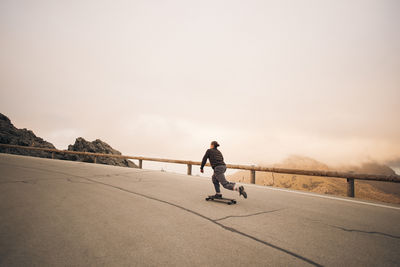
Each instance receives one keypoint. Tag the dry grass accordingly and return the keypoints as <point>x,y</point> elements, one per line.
<point>322,185</point>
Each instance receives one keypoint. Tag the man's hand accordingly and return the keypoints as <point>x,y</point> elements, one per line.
<point>201,170</point>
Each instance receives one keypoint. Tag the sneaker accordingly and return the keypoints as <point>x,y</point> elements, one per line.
<point>218,195</point>
<point>242,192</point>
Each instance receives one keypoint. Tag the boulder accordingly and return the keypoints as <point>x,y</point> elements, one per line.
<point>97,146</point>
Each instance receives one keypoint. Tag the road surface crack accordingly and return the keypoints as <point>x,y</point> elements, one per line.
<point>247,215</point>
<point>78,182</point>
<point>32,181</point>
<point>364,232</point>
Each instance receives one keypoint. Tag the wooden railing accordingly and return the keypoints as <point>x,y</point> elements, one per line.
<point>350,176</point>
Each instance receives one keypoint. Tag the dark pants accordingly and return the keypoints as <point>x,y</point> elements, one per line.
<point>219,177</point>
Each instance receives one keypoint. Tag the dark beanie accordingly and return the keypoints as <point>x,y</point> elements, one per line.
<point>215,144</point>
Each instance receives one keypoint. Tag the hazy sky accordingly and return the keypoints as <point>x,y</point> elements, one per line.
<point>164,78</point>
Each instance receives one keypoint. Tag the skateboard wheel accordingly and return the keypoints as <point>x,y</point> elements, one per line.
<point>207,199</point>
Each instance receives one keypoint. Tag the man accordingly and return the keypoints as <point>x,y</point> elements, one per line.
<point>219,167</point>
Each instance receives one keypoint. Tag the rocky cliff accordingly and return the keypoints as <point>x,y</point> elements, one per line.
<point>9,134</point>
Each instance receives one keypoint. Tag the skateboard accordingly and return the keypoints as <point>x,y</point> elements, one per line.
<point>228,201</point>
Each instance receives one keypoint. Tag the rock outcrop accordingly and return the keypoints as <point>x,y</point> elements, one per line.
<point>9,134</point>
<point>97,146</point>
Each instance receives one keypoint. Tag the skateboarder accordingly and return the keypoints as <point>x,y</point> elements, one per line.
<point>219,167</point>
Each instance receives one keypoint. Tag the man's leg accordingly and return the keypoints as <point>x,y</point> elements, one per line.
<point>216,184</point>
<point>219,175</point>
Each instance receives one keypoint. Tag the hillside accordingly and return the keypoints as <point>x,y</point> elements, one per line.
<point>371,190</point>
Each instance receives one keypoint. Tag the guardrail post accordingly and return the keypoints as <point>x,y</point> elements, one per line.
<point>252,176</point>
<point>140,163</point>
<point>95,159</point>
<point>52,155</point>
<point>189,169</point>
<point>350,187</point>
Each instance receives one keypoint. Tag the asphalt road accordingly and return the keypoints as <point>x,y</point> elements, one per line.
<point>62,213</point>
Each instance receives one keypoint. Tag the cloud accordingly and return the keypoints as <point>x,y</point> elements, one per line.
<point>395,162</point>
<point>265,79</point>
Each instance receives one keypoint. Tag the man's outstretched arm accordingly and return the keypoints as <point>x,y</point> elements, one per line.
<point>204,160</point>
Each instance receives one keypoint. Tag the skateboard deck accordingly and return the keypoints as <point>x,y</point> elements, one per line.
<point>228,201</point>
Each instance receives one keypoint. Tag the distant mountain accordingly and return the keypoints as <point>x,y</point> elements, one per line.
<point>373,190</point>
<point>302,163</point>
<point>9,134</point>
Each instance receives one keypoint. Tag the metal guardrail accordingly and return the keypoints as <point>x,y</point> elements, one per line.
<point>350,176</point>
